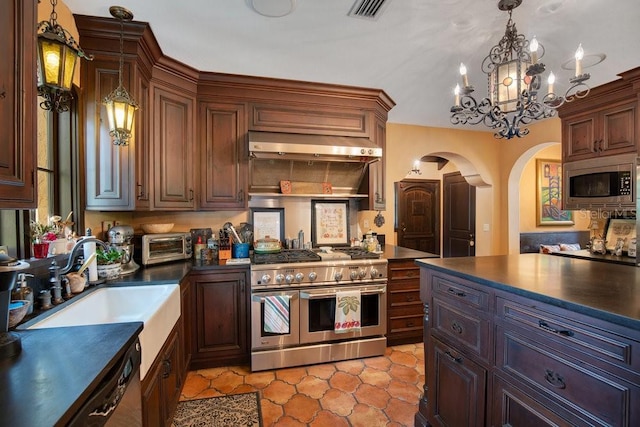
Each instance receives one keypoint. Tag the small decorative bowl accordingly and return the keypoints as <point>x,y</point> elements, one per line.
<point>157,228</point>
<point>17,311</point>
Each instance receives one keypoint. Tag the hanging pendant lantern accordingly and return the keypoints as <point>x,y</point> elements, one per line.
<point>119,104</point>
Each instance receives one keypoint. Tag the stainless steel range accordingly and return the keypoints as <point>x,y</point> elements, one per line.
<point>309,283</point>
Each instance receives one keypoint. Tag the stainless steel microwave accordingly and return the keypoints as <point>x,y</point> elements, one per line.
<point>604,182</point>
<point>159,248</point>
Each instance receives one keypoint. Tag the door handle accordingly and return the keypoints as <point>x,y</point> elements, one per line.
<point>471,240</point>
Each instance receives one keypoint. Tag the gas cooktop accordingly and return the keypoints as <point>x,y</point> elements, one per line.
<point>306,255</point>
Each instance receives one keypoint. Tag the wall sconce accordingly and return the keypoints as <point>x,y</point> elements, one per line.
<point>57,54</point>
<point>415,170</point>
<point>120,106</point>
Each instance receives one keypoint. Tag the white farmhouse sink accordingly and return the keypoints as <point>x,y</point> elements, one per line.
<point>157,306</point>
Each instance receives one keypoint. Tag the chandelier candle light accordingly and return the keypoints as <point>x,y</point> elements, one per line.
<point>119,104</point>
<point>514,72</point>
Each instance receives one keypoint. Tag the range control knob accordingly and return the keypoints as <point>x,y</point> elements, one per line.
<point>289,278</point>
<point>337,276</point>
<point>279,278</point>
<point>313,276</point>
<point>299,277</point>
<point>265,279</point>
<point>353,275</point>
<point>374,273</point>
<point>362,273</point>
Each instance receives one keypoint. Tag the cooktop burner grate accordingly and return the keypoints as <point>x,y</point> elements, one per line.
<point>286,256</point>
<point>357,253</point>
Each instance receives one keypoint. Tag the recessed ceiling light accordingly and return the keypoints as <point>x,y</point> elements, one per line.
<point>273,8</point>
<point>587,61</point>
<point>551,7</point>
<point>462,24</point>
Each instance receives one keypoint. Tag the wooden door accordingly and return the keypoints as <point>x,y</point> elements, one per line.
<point>418,214</point>
<point>459,212</point>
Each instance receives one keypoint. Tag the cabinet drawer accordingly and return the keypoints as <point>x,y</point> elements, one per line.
<point>402,298</point>
<point>404,270</point>
<point>571,335</point>
<point>405,323</point>
<point>466,327</point>
<point>459,291</point>
<point>604,399</point>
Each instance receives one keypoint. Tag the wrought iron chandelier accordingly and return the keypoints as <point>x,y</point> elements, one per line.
<point>514,73</point>
<point>119,104</point>
<point>57,54</point>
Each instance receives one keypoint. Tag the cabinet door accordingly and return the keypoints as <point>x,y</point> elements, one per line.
<point>373,183</point>
<point>223,157</point>
<point>221,327</point>
<point>171,376</point>
<point>172,146</point>
<point>579,137</point>
<point>152,401</point>
<point>457,388</point>
<point>18,103</point>
<point>109,168</point>
<point>619,129</point>
<point>141,143</point>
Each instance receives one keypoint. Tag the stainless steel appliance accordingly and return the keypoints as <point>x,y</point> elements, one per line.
<point>117,401</point>
<point>311,285</point>
<point>120,237</point>
<point>607,182</point>
<point>159,248</point>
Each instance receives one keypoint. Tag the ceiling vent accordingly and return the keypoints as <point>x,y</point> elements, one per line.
<point>368,9</point>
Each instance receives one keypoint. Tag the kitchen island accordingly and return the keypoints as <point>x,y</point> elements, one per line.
<point>532,338</point>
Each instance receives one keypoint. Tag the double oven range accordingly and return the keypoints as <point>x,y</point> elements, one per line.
<point>310,282</point>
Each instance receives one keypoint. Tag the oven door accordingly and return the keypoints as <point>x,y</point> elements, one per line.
<point>318,307</point>
<point>262,340</point>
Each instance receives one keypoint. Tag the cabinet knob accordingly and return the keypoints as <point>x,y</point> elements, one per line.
<point>166,371</point>
<point>554,378</point>
<point>3,94</point>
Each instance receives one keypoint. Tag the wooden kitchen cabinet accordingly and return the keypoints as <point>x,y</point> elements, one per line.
<point>604,123</point>
<point>163,382</point>
<point>116,176</point>
<point>405,311</point>
<point>221,329</point>
<point>223,156</point>
<point>173,145</point>
<point>603,132</point>
<point>373,182</point>
<point>18,104</point>
<point>498,358</point>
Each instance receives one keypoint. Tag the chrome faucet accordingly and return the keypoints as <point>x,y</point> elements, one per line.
<point>79,243</point>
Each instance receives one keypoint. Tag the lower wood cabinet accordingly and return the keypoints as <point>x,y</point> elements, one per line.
<point>404,308</point>
<point>163,382</point>
<point>495,358</point>
<point>220,334</point>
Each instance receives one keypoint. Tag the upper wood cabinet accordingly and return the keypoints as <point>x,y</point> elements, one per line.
<point>223,155</point>
<point>18,103</point>
<point>606,122</point>
<point>173,145</point>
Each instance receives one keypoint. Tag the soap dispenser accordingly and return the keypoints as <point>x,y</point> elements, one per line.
<point>23,291</point>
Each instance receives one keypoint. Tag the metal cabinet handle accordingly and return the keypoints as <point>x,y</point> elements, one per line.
<point>190,194</point>
<point>166,364</point>
<point>141,192</point>
<point>544,325</point>
<point>3,94</point>
<point>456,327</point>
<point>241,196</point>
<point>554,378</point>
<point>456,292</point>
<point>452,357</point>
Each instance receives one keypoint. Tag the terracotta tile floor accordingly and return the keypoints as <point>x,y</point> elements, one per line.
<point>376,391</point>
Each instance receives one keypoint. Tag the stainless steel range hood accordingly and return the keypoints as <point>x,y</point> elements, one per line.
<point>340,161</point>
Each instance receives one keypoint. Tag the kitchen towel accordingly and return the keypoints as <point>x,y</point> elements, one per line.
<point>347,311</point>
<point>276,314</point>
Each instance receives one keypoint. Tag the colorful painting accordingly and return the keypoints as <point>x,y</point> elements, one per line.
<point>549,195</point>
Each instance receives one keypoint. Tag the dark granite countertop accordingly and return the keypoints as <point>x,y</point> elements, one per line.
<point>57,370</point>
<point>399,252</point>
<point>585,254</point>
<point>606,291</point>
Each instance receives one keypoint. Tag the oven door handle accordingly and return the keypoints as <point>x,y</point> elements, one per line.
<point>260,298</point>
<point>316,295</point>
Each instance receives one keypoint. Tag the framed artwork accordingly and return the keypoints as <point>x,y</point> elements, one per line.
<point>267,222</point>
<point>549,194</point>
<point>330,223</point>
<point>624,228</point>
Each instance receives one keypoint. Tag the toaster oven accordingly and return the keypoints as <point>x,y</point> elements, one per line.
<point>166,247</point>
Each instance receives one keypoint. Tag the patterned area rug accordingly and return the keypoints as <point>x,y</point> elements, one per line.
<point>224,411</point>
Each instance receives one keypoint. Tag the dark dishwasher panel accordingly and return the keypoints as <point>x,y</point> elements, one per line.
<point>117,401</point>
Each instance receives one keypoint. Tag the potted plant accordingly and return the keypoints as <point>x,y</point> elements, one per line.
<point>109,263</point>
<point>41,236</point>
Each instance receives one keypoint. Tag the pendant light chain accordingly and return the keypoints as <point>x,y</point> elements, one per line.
<point>121,53</point>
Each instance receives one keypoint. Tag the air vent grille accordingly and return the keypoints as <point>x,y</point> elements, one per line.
<point>368,9</point>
